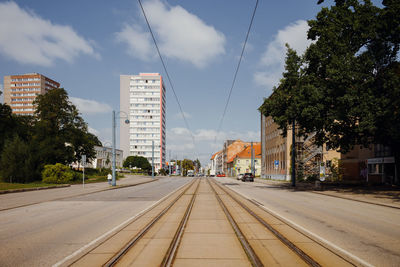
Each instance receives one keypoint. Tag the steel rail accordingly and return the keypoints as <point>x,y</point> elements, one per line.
<point>114,260</point>
<point>173,248</point>
<point>254,259</point>
<point>283,239</point>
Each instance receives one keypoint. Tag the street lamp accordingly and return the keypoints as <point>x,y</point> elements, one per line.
<point>114,183</point>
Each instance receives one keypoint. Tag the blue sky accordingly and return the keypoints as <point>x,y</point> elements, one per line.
<point>86,45</point>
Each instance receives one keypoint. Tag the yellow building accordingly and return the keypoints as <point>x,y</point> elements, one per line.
<point>241,162</point>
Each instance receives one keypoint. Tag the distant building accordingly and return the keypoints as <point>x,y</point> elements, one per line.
<point>276,153</point>
<point>214,163</point>
<point>142,98</point>
<point>231,148</point>
<point>241,162</point>
<point>103,159</point>
<point>21,90</point>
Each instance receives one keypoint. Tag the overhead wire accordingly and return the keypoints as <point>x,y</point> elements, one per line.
<point>168,77</point>
<point>236,72</point>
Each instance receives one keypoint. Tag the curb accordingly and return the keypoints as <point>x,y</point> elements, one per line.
<point>358,200</point>
<point>82,194</point>
<point>19,190</point>
<point>344,197</point>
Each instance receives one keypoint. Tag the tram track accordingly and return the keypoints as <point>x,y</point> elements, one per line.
<point>191,229</point>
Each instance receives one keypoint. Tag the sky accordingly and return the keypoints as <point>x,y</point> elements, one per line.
<point>87,45</point>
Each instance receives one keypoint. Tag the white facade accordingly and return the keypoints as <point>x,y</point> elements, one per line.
<point>103,158</point>
<point>142,97</point>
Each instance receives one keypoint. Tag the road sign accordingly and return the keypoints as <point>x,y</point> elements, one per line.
<point>276,164</point>
<point>83,160</point>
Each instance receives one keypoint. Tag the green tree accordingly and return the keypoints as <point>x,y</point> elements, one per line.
<point>187,164</point>
<point>15,161</point>
<point>288,102</point>
<point>349,90</point>
<point>138,162</point>
<point>60,130</point>
<point>7,124</point>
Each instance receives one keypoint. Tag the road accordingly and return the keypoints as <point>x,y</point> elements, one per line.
<point>366,231</point>
<point>45,233</point>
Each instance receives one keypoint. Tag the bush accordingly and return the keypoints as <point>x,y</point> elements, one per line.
<point>57,174</point>
<point>97,172</point>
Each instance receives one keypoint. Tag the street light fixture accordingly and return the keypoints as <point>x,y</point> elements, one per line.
<point>114,183</point>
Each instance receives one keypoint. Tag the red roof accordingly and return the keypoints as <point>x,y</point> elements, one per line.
<point>213,156</point>
<point>246,152</point>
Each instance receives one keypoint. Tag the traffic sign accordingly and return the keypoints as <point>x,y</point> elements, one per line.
<point>276,164</point>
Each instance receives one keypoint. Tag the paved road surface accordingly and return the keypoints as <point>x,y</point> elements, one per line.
<point>367,231</point>
<point>45,233</point>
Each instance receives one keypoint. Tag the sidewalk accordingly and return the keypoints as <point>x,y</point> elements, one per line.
<point>21,199</point>
<point>378,195</point>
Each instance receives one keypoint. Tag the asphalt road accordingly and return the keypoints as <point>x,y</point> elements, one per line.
<point>368,232</point>
<point>45,233</point>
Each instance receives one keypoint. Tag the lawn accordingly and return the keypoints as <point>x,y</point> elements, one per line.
<point>8,186</point>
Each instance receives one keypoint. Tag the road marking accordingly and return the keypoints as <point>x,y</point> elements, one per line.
<point>313,236</point>
<point>115,229</point>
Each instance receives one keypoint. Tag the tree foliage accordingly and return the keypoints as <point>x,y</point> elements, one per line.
<point>186,164</point>
<point>138,162</point>
<point>56,134</point>
<point>347,88</point>
<point>61,129</point>
<point>57,174</point>
<point>15,161</point>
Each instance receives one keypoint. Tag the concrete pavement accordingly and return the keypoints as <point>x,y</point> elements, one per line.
<point>374,195</point>
<point>21,199</point>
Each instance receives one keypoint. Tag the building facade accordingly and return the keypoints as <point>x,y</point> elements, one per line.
<point>21,90</point>
<point>142,98</point>
<point>230,149</point>
<point>276,153</point>
<point>241,162</point>
<point>103,159</point>
<point>214,162</point>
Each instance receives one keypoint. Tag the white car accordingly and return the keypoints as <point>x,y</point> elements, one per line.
<point>239,177</point>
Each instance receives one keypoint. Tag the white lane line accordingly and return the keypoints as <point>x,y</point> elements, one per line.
<point>313,236</point>
<point>115,229</point>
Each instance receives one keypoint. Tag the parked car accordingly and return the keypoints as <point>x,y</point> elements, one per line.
<point>240,176</point>
<point>221,175</point>
<point>248,176</point>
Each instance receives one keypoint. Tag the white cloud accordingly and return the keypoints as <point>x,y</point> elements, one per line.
<point>179,115</point>
<point>273,59</point>
<point>93,131</point>
<point>90,106</point>
<point>29,39</point>
<point>180,35</point>
<point>138,41</point>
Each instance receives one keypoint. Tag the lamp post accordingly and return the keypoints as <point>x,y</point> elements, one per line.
<point>114,183</point>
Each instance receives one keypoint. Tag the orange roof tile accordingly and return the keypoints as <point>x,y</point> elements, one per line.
<point>246,152</point>
<point>213,156</point>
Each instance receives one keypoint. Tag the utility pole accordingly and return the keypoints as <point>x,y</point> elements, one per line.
<point>293,153</point>
<point>252,158</point>
<point>152,159</point>
<point>113,183</point>
<point>169,165</point>
<point>181,167</point>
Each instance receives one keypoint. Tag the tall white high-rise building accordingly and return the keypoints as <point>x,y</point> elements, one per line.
<point>142,97</point>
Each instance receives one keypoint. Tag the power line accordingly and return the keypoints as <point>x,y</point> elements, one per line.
<point>236,72</point>
<point>166,72</point>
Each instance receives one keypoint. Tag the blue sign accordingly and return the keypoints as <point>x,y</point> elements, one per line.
<point>276,164</point>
